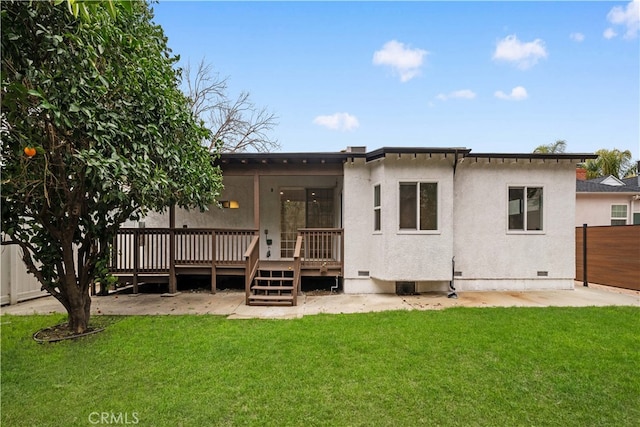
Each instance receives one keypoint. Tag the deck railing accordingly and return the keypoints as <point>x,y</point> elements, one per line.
<point>322,247</point>
<point>297,264</point>
<point>252,258</point>
<point>148,250</point>
<point>152,251</point>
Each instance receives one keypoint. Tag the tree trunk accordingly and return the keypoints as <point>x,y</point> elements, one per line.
<point>79,318</point>
<point>77,301</point>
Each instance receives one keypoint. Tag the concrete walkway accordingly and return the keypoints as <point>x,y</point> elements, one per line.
<point>231,303</point>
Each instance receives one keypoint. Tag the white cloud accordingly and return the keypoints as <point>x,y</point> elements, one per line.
<point>523,55</point>
<point>518,93</point>
<point>404,61</point>
<point>338,121</point>
<point>609,33</point>
<point>576,37</point>
<point>628,17</point>
<point>458,94</point>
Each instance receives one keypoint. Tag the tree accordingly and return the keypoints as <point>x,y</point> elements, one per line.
<point>557,147</point>
<point>235,125</point>
<point>610,162</point>
<point>98,101</point>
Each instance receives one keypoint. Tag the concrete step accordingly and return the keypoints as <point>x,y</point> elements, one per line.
<point>271,300</point>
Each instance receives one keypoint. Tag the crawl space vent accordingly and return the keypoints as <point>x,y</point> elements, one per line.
<point>406,288</point>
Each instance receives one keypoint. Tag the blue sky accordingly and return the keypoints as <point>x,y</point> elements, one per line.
<point>491,76</point>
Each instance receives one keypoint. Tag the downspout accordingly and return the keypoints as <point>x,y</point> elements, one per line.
<point>452,288</point>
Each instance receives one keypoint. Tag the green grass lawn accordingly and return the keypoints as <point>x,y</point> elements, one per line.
<point>462,366</point>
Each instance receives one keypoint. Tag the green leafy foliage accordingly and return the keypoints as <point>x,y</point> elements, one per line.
<point>98,99</point>
<point>611,162</point>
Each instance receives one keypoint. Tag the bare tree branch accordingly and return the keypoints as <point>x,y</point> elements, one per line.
<point>236,125</point>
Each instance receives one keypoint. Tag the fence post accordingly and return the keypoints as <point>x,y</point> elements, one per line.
<point>585,282</point>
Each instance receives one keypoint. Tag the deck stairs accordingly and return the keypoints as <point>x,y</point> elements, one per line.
<point>273,284</point>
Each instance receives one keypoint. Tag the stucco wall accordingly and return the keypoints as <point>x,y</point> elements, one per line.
<point>375,260</point>
<point>595,209</point>
<point>487,254</point>
<point>240,188</point>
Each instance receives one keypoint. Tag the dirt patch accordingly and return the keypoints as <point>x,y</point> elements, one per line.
<point>61,332</point>
<point>319,292</point>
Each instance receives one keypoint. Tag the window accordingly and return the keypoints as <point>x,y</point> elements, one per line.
<point>618,214</point>
<point>525,208</point>
<point>376,208</point>
<point>418,206</point>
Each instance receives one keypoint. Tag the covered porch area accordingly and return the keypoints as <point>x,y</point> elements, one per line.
<point>280,220</point>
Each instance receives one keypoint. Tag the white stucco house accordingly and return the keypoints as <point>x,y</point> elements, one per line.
<point>376,221</point>
<point>608,201</point>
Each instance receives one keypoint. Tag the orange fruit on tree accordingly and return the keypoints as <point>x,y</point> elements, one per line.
<point>29,151</point>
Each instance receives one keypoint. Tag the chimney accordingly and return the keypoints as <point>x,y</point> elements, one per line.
<point>581,174</point>
<point>361,149</point>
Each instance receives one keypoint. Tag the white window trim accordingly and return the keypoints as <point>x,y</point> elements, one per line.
<point>545,218</point>
<point>611,217</point>
<point>379,208</point>
<point>405,231</point>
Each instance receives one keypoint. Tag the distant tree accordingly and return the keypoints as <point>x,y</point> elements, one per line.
<point>557,147</point>
<point>235,125</point>
<point>610,162</point>
<point>94,131</point>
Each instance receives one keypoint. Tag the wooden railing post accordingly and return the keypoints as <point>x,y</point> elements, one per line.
<point>173,283</point>
<point>252,257</point>
<point>213,262</point>
<point>136,259</point>
<point>341,253</point>
<point>585,282</point>
<point>296,268</point>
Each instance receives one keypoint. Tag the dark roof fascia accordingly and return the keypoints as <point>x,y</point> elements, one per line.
<point>256,158</point>
<point>578,157</point>
<point>382,152</point>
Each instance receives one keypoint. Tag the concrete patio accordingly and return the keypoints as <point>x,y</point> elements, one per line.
<point>231,303</point>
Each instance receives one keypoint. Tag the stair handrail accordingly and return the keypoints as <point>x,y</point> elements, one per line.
<point>296,268</point>
<point>252,257</point>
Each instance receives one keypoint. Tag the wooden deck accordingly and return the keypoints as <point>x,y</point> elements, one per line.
<point>160,255</point>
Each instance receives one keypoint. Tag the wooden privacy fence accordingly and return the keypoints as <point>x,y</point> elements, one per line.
<point>610,256</point>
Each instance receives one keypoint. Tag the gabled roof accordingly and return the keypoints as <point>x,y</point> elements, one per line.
<point>609,184</point>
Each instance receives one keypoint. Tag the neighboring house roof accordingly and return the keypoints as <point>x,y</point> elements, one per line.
<point>609,184</point>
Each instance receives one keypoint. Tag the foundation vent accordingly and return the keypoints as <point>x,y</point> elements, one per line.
<point>363,273</point>
<point>543,273</point>
<point>457,273</point>
<point>405,288</point>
